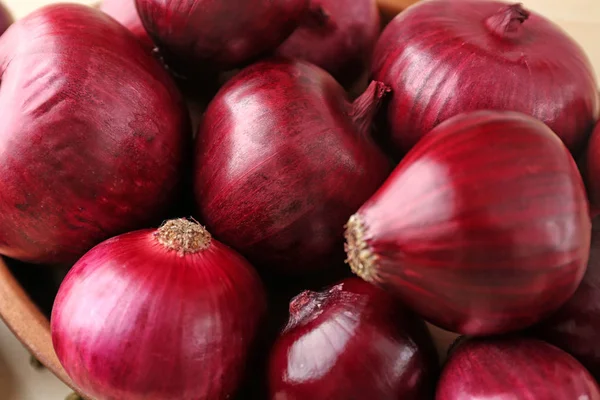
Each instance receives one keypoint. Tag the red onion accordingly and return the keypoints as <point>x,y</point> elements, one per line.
<point>126,13</point>
<point>221,34</point>
<point>592,170</point>
<point>443,58</point>
<point>514,369</point>
<point>5,18</point>
<point>575,328</point>
<point>93,134</point>
<point>282,160</point>
<point>158,315</point>
<point>352,341</point>
<point>341,41</point>
<point>483,228</point>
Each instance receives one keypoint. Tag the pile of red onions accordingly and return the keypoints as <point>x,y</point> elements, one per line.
<point>340,39</point>
<point>352,341</point>
<point>282,160</point>
<point>443,58</point>
<point>514,369</point>
<point>167,314</point>
<point>5,19</point>
<point>220,34</point>
<point>483,228</point>
<point>126,13</point>
<point>93,135</point>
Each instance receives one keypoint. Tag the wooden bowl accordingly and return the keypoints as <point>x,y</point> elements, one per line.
<point>32,327</point>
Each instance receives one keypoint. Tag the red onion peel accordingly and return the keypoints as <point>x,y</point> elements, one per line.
<point>483,228</point>
<point>282,160</point>
<point>443,58</point>
<point>126,13</point>
<point>158,315</point>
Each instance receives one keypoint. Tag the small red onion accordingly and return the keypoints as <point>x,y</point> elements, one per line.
<point>575,328</point>
<point>443,58</point>
<point>341,41</point>
<point>282,160</point>
<point>514,369</point>
<point>483,228</point>
<point>5,18</point>
<point>352,341</point>
<point>93,137</point>
<point>220,34</point>
<point>126,13</point>
<point>167,314</point>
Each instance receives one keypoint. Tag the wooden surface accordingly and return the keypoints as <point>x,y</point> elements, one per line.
<point>580,18</point>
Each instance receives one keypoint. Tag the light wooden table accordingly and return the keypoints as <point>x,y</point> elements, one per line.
<point>18,381</point>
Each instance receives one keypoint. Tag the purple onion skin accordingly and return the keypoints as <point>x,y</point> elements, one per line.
<point>342,43</point>
<point>514,369</point>
<point>134,321</point>
<point>483,228</point>
<point>94,134</point>
<point>352,341</point>
<point>441,59</point>
<point>126,13</point>
<point>6,18</point>
<point>575,328</point>
<point>220,34</point>
<point>282,160</point>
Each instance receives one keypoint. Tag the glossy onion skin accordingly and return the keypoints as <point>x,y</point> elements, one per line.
<point>352,341</point>
<point>126,13</point>
<point>5,18</point>
<point>514,369</point>
<point>484,227</point>
<point>441,60</point>
<point>575,328</point>
<point>342,44</point>
<point>93,134</point>
<point>134,321</point>
<point>220,34</point>
<point>280,165</point>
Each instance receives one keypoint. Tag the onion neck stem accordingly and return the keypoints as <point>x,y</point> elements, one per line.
<point>507,23</point>
<point>183,236</point>
<point>365,107</point>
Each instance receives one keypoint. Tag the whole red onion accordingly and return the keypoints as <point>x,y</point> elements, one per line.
<point>282,160</point>
<point>220,34</point>
<point>341,41</point>
<point>93,134</point>
<point>483,228</point>
<point>5,18</point>
<point>158,315</point>
<point>443,58</point>
<point>126,13</point>
<point>514,368</point>
<point>352,341</point>
<point>575,328</point>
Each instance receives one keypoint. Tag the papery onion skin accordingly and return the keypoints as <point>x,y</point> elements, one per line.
<point>282,160</point>
<point>220,34</point>
<point>126,13</point>
<point>441,59</point>
<point>575,327</point>
<point>5,18</point>
<point>342,43</point>
<point>352,341</point>
<point>94,134</point>
<point>514,368</point>
<point>483,228</point>
<point>134,320</point>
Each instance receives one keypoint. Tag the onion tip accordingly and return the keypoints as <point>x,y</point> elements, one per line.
<point>507,23</point>
<point>360,257</point>
<point>366,105</point>
<point>183,236</point>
